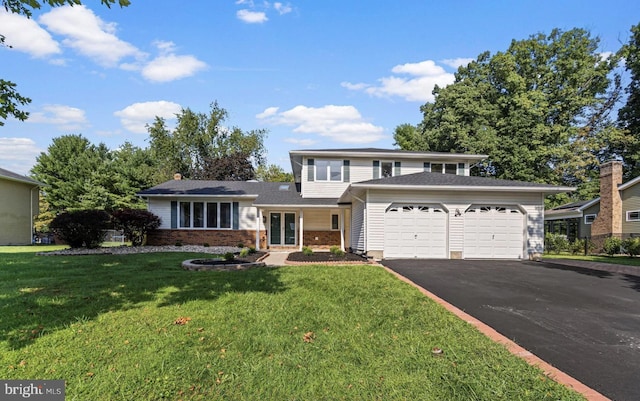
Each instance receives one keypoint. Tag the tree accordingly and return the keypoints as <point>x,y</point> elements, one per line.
<point>198,141</point>
<point>273,173</point>
<point>540,110</point>
<point>629,114</point>
<point>233,167</point>
<point>10,99</point>
<point>135,224</point>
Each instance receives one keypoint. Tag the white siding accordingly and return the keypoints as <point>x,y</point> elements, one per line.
<point>357,226</point>
<point>378,201</point>
<point>162,209</point>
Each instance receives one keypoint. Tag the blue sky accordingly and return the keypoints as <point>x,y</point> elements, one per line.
<point>315,74</point>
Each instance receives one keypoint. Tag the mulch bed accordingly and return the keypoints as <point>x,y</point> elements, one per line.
<point>325,257</point>
<point>250,258</point>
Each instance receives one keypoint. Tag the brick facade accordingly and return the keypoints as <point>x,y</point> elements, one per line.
<point>325,239</point>
<point>211,237</point>
<point>609,219</point>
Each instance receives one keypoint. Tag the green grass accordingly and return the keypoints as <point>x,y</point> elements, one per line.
<point>618,259</point>
<point>106,325</point>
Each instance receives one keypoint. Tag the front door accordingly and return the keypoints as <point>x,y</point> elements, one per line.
<point>282,228</point>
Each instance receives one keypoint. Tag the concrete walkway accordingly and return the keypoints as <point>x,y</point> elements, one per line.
<point>276,258</point>
<point>605,267</point>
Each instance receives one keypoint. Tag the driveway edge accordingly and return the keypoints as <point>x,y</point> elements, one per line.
<point>550,371</point>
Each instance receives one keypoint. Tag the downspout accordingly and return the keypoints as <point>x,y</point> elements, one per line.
<point>258,222</point>
<point>31,212</point>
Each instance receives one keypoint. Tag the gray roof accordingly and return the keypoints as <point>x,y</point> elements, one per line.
<point>452,180</point>
<point>17,177</point>
<point>266,193</point>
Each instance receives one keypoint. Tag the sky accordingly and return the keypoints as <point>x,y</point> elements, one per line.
<point>316,74</point>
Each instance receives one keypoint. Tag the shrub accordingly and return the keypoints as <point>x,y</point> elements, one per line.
<point>307,251</point>
<point>81,228</point>
<point>555,243</point>
<point>178,243</point>
<point>577,246</point>
<point>229,256</point>
<point>244,252</point>
<point>135,223</point>
<point>252,249</point>
<point>206,245</point>
<point>240,245</point>
<point>612,245</point>
<point>336,251</point>
<point>631,246</point>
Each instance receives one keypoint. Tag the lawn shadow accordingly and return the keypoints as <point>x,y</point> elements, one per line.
<point>44,294</point>
<point>581,270</point>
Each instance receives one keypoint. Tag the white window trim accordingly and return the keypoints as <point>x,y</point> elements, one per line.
<point>393,168</point>
<point>206,213</point>
<point>328,171</point>
<point>633,211</point>
<point>589,215</point>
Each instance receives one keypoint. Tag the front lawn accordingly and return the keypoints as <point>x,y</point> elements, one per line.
<point>125,327</point>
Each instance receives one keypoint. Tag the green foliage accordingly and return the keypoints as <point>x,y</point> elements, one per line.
<point>336,251</point>
<point>612,246</point>
<point>135,223</point>
<point>200,142</point>
<point>81,228</point>
<point>631,246</point>
<point>539,110</point>
<point>307,251</point>
<point>10,101</point>
<point>252,249</point>
<point>555,243</point>
<point>229,256</point>
<point>244,252</point>
<point>273,173</point>
<point>577,246</point>
<point>629,114</point>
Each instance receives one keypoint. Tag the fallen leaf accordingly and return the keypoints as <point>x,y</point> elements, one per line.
<point>436,351</point>
<point>182,320</point>
<point>22,363</point>
<point>90,374</point>
<point>308,337</point>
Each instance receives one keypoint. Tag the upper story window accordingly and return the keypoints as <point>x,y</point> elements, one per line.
<point>589,218</point>
<point>328,170</point>
<point>385,168</point>
<point>633,215</point>
<point>445,168</point>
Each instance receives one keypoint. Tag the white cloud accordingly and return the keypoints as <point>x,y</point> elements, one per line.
<point>135,117</point>
<point>457,62</point>
<point>282,8</point>
<point>18,154</point>
<point>418,87</point>
<point>89,35</point>
<point>252,17</point>
<point>168,66</point>
<point>338,123</point>
<point>66,118</point>
<point>301,142</point>
<point>25,35</point>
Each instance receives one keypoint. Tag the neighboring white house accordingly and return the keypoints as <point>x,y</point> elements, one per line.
<point>383,203</point>
<point>19,198</point>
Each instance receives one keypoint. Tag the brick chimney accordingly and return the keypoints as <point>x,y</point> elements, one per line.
<point>609,219</point>
<point>177,176</point>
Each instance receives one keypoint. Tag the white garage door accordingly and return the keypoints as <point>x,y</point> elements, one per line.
<point>493,232</point>
<point>415,231</point>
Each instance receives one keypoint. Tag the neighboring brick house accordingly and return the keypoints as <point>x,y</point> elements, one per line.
<point>615,213</point>
<point>379,202</point>
<point>19,204</point>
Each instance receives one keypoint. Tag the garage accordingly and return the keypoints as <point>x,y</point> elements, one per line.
<point>415,231</point>
<point>493,232</point>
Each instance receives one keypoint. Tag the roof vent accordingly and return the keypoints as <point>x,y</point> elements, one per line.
<point>284,187</point>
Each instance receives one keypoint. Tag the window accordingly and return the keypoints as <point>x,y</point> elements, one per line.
<point>589,218</point>
<point>386,169</point>
<point>196,214</point>
<point>427,167</point>
<point>329,170</point>
<point>335,222</point>
<point>633,215</point>
<point>451,168</point>
<point>446,168</point>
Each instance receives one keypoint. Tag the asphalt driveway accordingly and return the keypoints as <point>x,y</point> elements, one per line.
<point>584,322</point>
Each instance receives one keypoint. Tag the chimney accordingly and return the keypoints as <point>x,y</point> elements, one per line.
<point>609,219</point>
<point>177,176</point>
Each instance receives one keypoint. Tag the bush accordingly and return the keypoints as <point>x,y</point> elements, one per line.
<point>252,249</point>
<point>229,256</point>
<point>555,243</point>
<point>612,245</point>
<point>244,252</point>
<point>307,251</point>
<point>631,246</point>
<point>135,223</point>
<point>577,246</point>
<point>81,228</point>
<point>336,251</point>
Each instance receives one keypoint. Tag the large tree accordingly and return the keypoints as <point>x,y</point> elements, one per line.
<point>199,141</point>
<point>273,173</point>
<point>10,100</point>
<point>539,110</point>
<point>629,114</point>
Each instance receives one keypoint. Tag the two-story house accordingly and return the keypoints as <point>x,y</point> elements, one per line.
<point>382,203</point>
<point>19,205</point>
